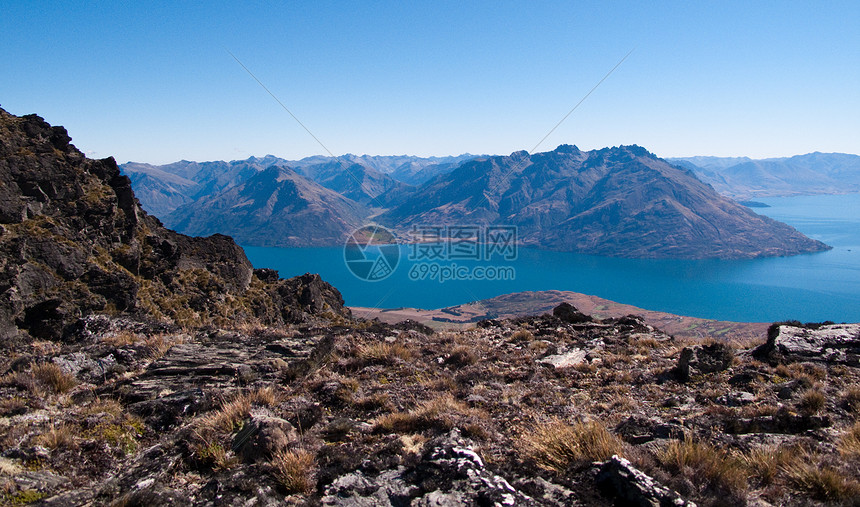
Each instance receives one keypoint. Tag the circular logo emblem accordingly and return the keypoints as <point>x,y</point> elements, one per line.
<point>371,253</point>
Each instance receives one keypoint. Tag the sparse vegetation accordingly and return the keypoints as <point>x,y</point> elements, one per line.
<point>557,445</point>
<point>294,470</point>
<point>703,463</point>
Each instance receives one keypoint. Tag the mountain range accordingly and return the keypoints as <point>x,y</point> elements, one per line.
<point>621,201</point>
<point>743,178</point>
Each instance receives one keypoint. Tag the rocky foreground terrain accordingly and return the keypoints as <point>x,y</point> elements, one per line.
<point>549,410</point>
<point>143,367</point>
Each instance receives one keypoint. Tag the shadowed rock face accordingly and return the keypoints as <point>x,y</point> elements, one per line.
<point>74,240</point>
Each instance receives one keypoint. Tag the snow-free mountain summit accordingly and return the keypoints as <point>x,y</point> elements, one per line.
<point>622,201</point>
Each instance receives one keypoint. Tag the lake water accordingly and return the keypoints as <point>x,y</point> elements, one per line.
<point>812,287</point>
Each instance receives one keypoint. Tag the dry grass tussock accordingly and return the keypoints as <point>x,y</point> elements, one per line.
<point>706,465</point>
<point>442,413</point>
<point>47,377</point>
<point>823,482</point>
<point>811,401</point>
<point>229,417</point>
<point>849,443</point>
<point>558,445</point>
<point>58,436</point>
<point>294,470</point>
<point>383,353</point>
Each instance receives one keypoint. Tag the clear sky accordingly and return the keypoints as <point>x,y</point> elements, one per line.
<point>154,82</point>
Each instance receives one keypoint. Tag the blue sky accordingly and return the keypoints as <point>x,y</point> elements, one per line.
<point>155,83</point>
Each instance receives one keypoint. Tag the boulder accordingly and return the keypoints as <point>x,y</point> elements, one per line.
<point>262,436</point>
<point>627,485</point>
<point>449,473</point>
<point>703,359</point>
<point>565,360</point>
<point>830,343</point>
<point>568,313</point>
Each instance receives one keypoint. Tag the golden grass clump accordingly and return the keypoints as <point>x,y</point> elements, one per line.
<point>849,443</point>
<point>765,463</point>
<point>558,445</point>
<point>824,483</point>
<point>811,401</point>
<point>442,413</point>
<point>58,436</point>
<point>704,463</point>
<point>294,470</point>
<point>53,377</point>
<point>851,396</point>
<point>383,353</point>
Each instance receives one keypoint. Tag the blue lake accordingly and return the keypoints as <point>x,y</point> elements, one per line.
<point>812,287</point>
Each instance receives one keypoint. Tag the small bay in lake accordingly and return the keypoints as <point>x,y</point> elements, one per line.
<point>811,287</point>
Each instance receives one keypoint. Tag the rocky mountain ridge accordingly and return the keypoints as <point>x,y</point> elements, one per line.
<point>621,201</point>
<point>75,240</point>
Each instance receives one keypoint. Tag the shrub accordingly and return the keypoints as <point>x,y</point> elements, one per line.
<point>558,445</point>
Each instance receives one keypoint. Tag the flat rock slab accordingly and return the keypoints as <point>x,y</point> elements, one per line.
<point>833,343</point>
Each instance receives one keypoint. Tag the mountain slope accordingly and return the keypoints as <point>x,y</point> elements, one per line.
<point>74,241</point>
<point>159,192</point>
<point>620,201</point>
<point>354,181</point>
<point>277,207</point>
<point>743,178</point>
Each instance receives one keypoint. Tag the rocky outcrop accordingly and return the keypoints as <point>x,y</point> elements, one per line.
<point>449,473</point>
<point>832,343</point>
<point>703,359</point>
<point>629,486</point>
<point>74,241</point>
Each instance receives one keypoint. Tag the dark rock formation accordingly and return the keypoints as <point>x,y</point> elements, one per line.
<point>833,343</point>
<point>449,473</point>
<point>629,486</point>
<point>704,359</point>
<point>74,240</point>
<point>261,436</point>
<point>568,313</point>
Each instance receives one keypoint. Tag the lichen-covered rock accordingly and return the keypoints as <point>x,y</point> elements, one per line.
<point>704,359</point>
<point>620,480</point>
<point>449,473</point>
<point>833,343</point>
<point>75,241</point>
<point>262,436</point>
